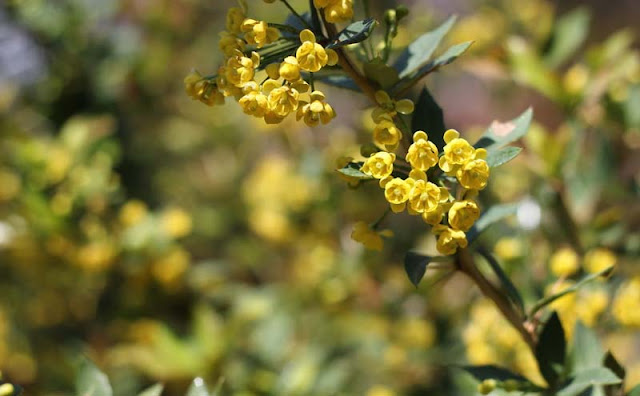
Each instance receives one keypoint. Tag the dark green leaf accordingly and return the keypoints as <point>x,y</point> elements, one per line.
<point>419,51</point>
<point>588,378</point>
<point>612,364</point>
<point>354,33</point>
<point>551,350</point>
<point>509,287</point>
<point>297,24</point>
<point>483,372</point>
<point>384,75</point>
<point>198,388</point>
<point>428,117</point>
<point>416,265</point>
<point>500,134</point>
<point>154,390</point>
<point>491,216</point>
<point>450,55</point>
<point>339,81</point>
<point>569,33</point>
<point>586,351</point>
<point>502,156</point>
<point>92,382</point>
<point>353,170</point>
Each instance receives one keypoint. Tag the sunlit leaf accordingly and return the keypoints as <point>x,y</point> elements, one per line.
<point>198,388</point>
<point>353,170</point>
<point>502,156</point>
<point>92,382</point>
<point>588,378</point>
<point>154,390</point>
<point>586,351</point>
<point>419,51</point>
<point>500,134</point>
<point>569,33</point>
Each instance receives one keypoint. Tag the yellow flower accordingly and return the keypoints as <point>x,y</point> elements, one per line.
<point>564,262</point>
<point>389,107</point>
<point>225,86</point>
<point>273,70</point>
<point>259,32</point>
<point>254,102</point>
<point>289,69</point>
<point>368,237</point>
<point>235,17</point>
<point>599,259</point>
<point>625,306</point>
<point>474,174</point>
<point>312,56</point>
<point>508,248</point>
<point>229,43</point>
<point>380,390</point>
<point>457,152</point>
<point>422,154</point>
<point>463,214</point>
<point>202,89</point>
<point>424,196</point>
<point>387,135</point>
<point>317,110</point>
<point>449,239</point>
<point>7,389</point>
<point>396,191</point>
<point>379,165</point>
<point>282,100</point>
<point>339,11</point>
<point>240,69</point>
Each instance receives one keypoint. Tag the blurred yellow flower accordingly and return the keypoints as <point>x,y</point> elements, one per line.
<point>380,390</point>
<point>508,248</point>
<point>132,213</point>
<point>369,237</point>
<point>626,303</point>
<point>599,259</point>
<point>176,222</point>
<point>564,262</point>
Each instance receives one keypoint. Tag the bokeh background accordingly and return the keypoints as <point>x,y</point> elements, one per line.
<point>164,239</point>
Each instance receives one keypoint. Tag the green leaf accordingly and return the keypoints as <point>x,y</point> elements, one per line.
<point>353,170</point>
<point>450,55</point>
<point>419,51</point>
<point>500,134</point>
<point>198,388</point>
<point>384,75</point>
<point>416,265</point>
<point>92,382</point>
<point>570,32</point>
<point>491,216</point>
<point>588,378</point>
<point>428,117</point>
<point>483,372</point>
<point>354,33</point>
<point>550,350</point>
<point>509,287</point>
<point>502,156</point>
<point>154,390</point>
<point>587,279</point>
<point>635,391</point>
<point>586,351</point>
<point>631,106</point>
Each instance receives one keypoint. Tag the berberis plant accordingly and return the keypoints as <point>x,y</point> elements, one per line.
<point>274,70</point>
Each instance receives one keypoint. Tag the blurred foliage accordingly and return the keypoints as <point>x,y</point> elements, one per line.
<point>166,240</point>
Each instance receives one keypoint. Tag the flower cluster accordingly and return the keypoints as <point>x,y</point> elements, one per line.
<point>450,216</point>
<point>280,94</point>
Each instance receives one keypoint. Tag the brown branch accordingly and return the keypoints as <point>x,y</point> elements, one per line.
<point>467,266</point>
